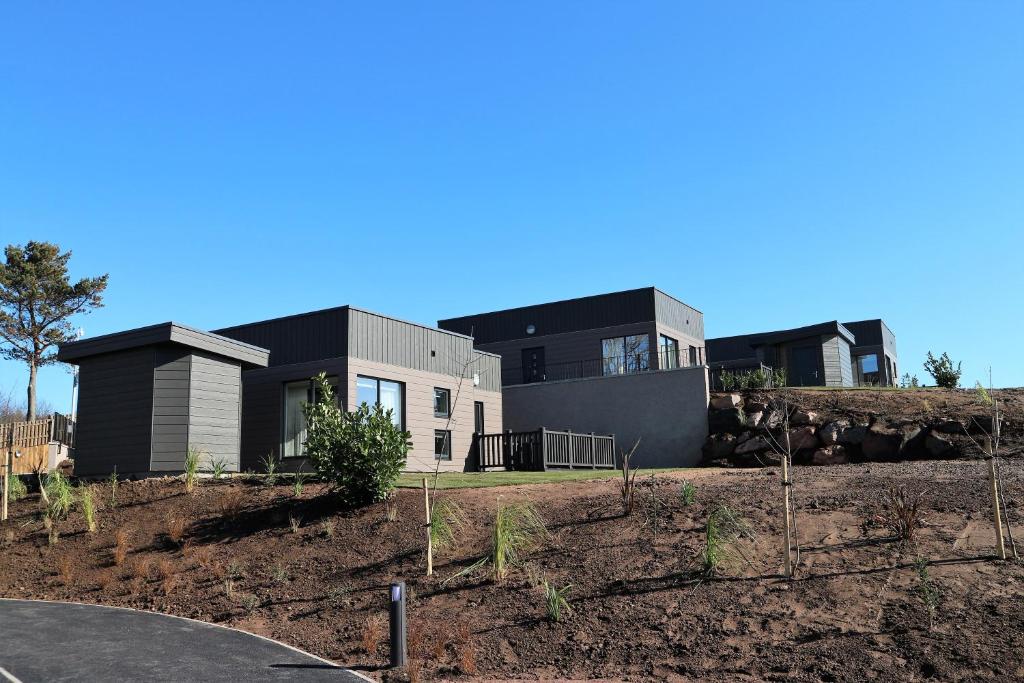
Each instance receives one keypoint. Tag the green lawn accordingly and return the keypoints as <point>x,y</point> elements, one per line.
<point>468,480</point>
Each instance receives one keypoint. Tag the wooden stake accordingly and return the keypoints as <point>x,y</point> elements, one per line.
<point>996,516</point>
<point>7,484</point>
<point>787,544</point>
<point>430,541</point>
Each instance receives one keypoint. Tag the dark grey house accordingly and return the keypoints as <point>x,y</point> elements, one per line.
<point>437,385</point>
<point>627,363</point>
<point>146,395</point>
<point>825,354</point>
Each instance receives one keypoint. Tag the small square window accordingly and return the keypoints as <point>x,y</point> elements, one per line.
<point>442,402</point>
<point>442,444</point>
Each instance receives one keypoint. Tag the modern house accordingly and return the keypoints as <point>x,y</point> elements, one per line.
<point>436,384</point>
<point>830,354</point>
<point>628,363</point>
<point>147,395</point>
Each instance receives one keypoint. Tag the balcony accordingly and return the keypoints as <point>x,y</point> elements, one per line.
<point>629,364</point>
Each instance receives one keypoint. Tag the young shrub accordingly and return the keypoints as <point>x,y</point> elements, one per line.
<point>373,632</point>
<point>327,528</point>
<point>555,602</point>
<point>269,463</point>
<point>294,522</point>
<point>901,513</point>
<point>218,468</point>
<point>926,590</point>
<point>447,520</point>
<point>723,531</point>
<point>518,530</point>
<point>298,483</point>
<point>88,504</point>
<point>942,371</point>
<point>278,574</point>
<point>59,498</point>
<point>16,489</point>
<point>360,453</point>
<point>113,487</point>
<point>229,588</point>
<point>687,494</point>
<point>250,602</point>
<point>192,457</point>
<point>236,569</point>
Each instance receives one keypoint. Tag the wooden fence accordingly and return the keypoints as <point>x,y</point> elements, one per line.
<point>30,442</point>
<point>544,449</point>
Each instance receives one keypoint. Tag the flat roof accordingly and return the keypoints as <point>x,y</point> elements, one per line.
<point>164,333</point>
<point>577,299</point>
<point>777,336</point>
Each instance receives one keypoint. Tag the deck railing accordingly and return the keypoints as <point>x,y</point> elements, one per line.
<point>629,364</point>
<point>543,449</point>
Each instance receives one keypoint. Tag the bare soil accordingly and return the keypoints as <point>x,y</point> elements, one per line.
<point>640,609</point>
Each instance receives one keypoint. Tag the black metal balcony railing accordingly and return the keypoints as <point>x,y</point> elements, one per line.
<point>629,364</point>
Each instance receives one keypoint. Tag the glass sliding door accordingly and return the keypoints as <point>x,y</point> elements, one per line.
<point>296,395</point>
<point>668,353</point>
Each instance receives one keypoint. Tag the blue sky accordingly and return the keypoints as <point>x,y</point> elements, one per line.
<point>773,164</point>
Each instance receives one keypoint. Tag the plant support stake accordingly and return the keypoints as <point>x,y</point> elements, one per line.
<point>430,540</point>
<point>994,485</point>
<point>787,556</point>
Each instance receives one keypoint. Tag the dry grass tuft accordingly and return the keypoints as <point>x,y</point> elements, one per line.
<point>901,513</point>
<point>106,579</point>
<point>467,659</point>
<point>202,555</point>
<point>122,540</point>
<point>413,670</point>
<point>140,568</point>
<point>414,638</point>
<point>176,529</point>
<point>231,503</point>
<point>165,568</point>
<point>373,633</point>
<point>66,570</point>
<point>439,646</point>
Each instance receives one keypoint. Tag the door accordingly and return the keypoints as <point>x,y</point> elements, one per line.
<point>478,417</point>
<point>533,365</point>
<point>803,370</point>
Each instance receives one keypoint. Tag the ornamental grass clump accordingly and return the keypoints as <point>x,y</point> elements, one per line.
<point>555,602</point>
<point>722,533</point>
<point>192,457</point>
<point>518,531</point>
<point>359,453</point>
<point>447,520</point>
<point>88,503</point>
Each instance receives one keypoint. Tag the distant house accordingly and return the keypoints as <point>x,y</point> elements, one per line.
<point>628,363</point>
<point>826,354</point>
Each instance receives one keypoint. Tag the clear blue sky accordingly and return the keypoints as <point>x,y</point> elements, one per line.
<point>773,164</point>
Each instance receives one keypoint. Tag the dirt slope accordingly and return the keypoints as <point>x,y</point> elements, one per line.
<point>639,613</point>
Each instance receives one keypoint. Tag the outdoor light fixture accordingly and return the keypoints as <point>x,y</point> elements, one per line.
<point>530,329</point>
<point>476,379</point>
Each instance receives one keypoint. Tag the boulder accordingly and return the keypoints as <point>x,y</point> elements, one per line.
<point>882,443</point>
<point>772,420</point>
<point>745,436</point>
<point>830,455</point>
<point>730,421</point>
<point>752,445</point>
<point>938,446</point>
<point>755,407</point>
<point>754,419</point>
<point>981,424</point>
<point>948,427</point>
<point>66,467</point>
<point>802,437</point>
<point>718,446</point>
<point>829,434</point>
<point>913,438</point>
<point>853,436</point>
<point>725,401</point>
<point>805,417</point>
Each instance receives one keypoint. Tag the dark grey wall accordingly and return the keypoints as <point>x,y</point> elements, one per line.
<point>836,361</point>
<point>170,409</point>
<point>668,410</point>
<point>671,312</point>
<point>297,338</point>
<point>115,410</point>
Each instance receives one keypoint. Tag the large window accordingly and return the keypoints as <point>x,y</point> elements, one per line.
<point>625,355</point>
<point>297,394</point>
<point>442,444</point>
<point>866,367</point>
<point>389,395</point>
<point>442,402</point>
<point>668,350</point>
<point>693,356</point>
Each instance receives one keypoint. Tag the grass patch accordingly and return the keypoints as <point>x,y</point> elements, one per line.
<point>472,480</point>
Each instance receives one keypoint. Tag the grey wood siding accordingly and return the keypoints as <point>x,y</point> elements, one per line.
<point>115,398</point>
<point>214,409</point>
<point>380,339</point>
<point>672,312</point>
<point>297,338</point>
<point>836,361</point>
<point>170,409</point>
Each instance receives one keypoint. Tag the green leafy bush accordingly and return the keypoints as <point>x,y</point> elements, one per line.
<point>941,369</point>
<point>360,453</point>
<point>16,488</point>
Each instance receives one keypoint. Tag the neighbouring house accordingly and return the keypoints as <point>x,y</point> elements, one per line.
<point>626,363</point>
<point>436,384</point>
<point>146,395</point>
<point>830,354</point>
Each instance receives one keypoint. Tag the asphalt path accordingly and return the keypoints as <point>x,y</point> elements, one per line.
<point>59,641</point>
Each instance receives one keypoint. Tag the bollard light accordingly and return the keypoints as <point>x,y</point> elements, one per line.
<point>398,645</point>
